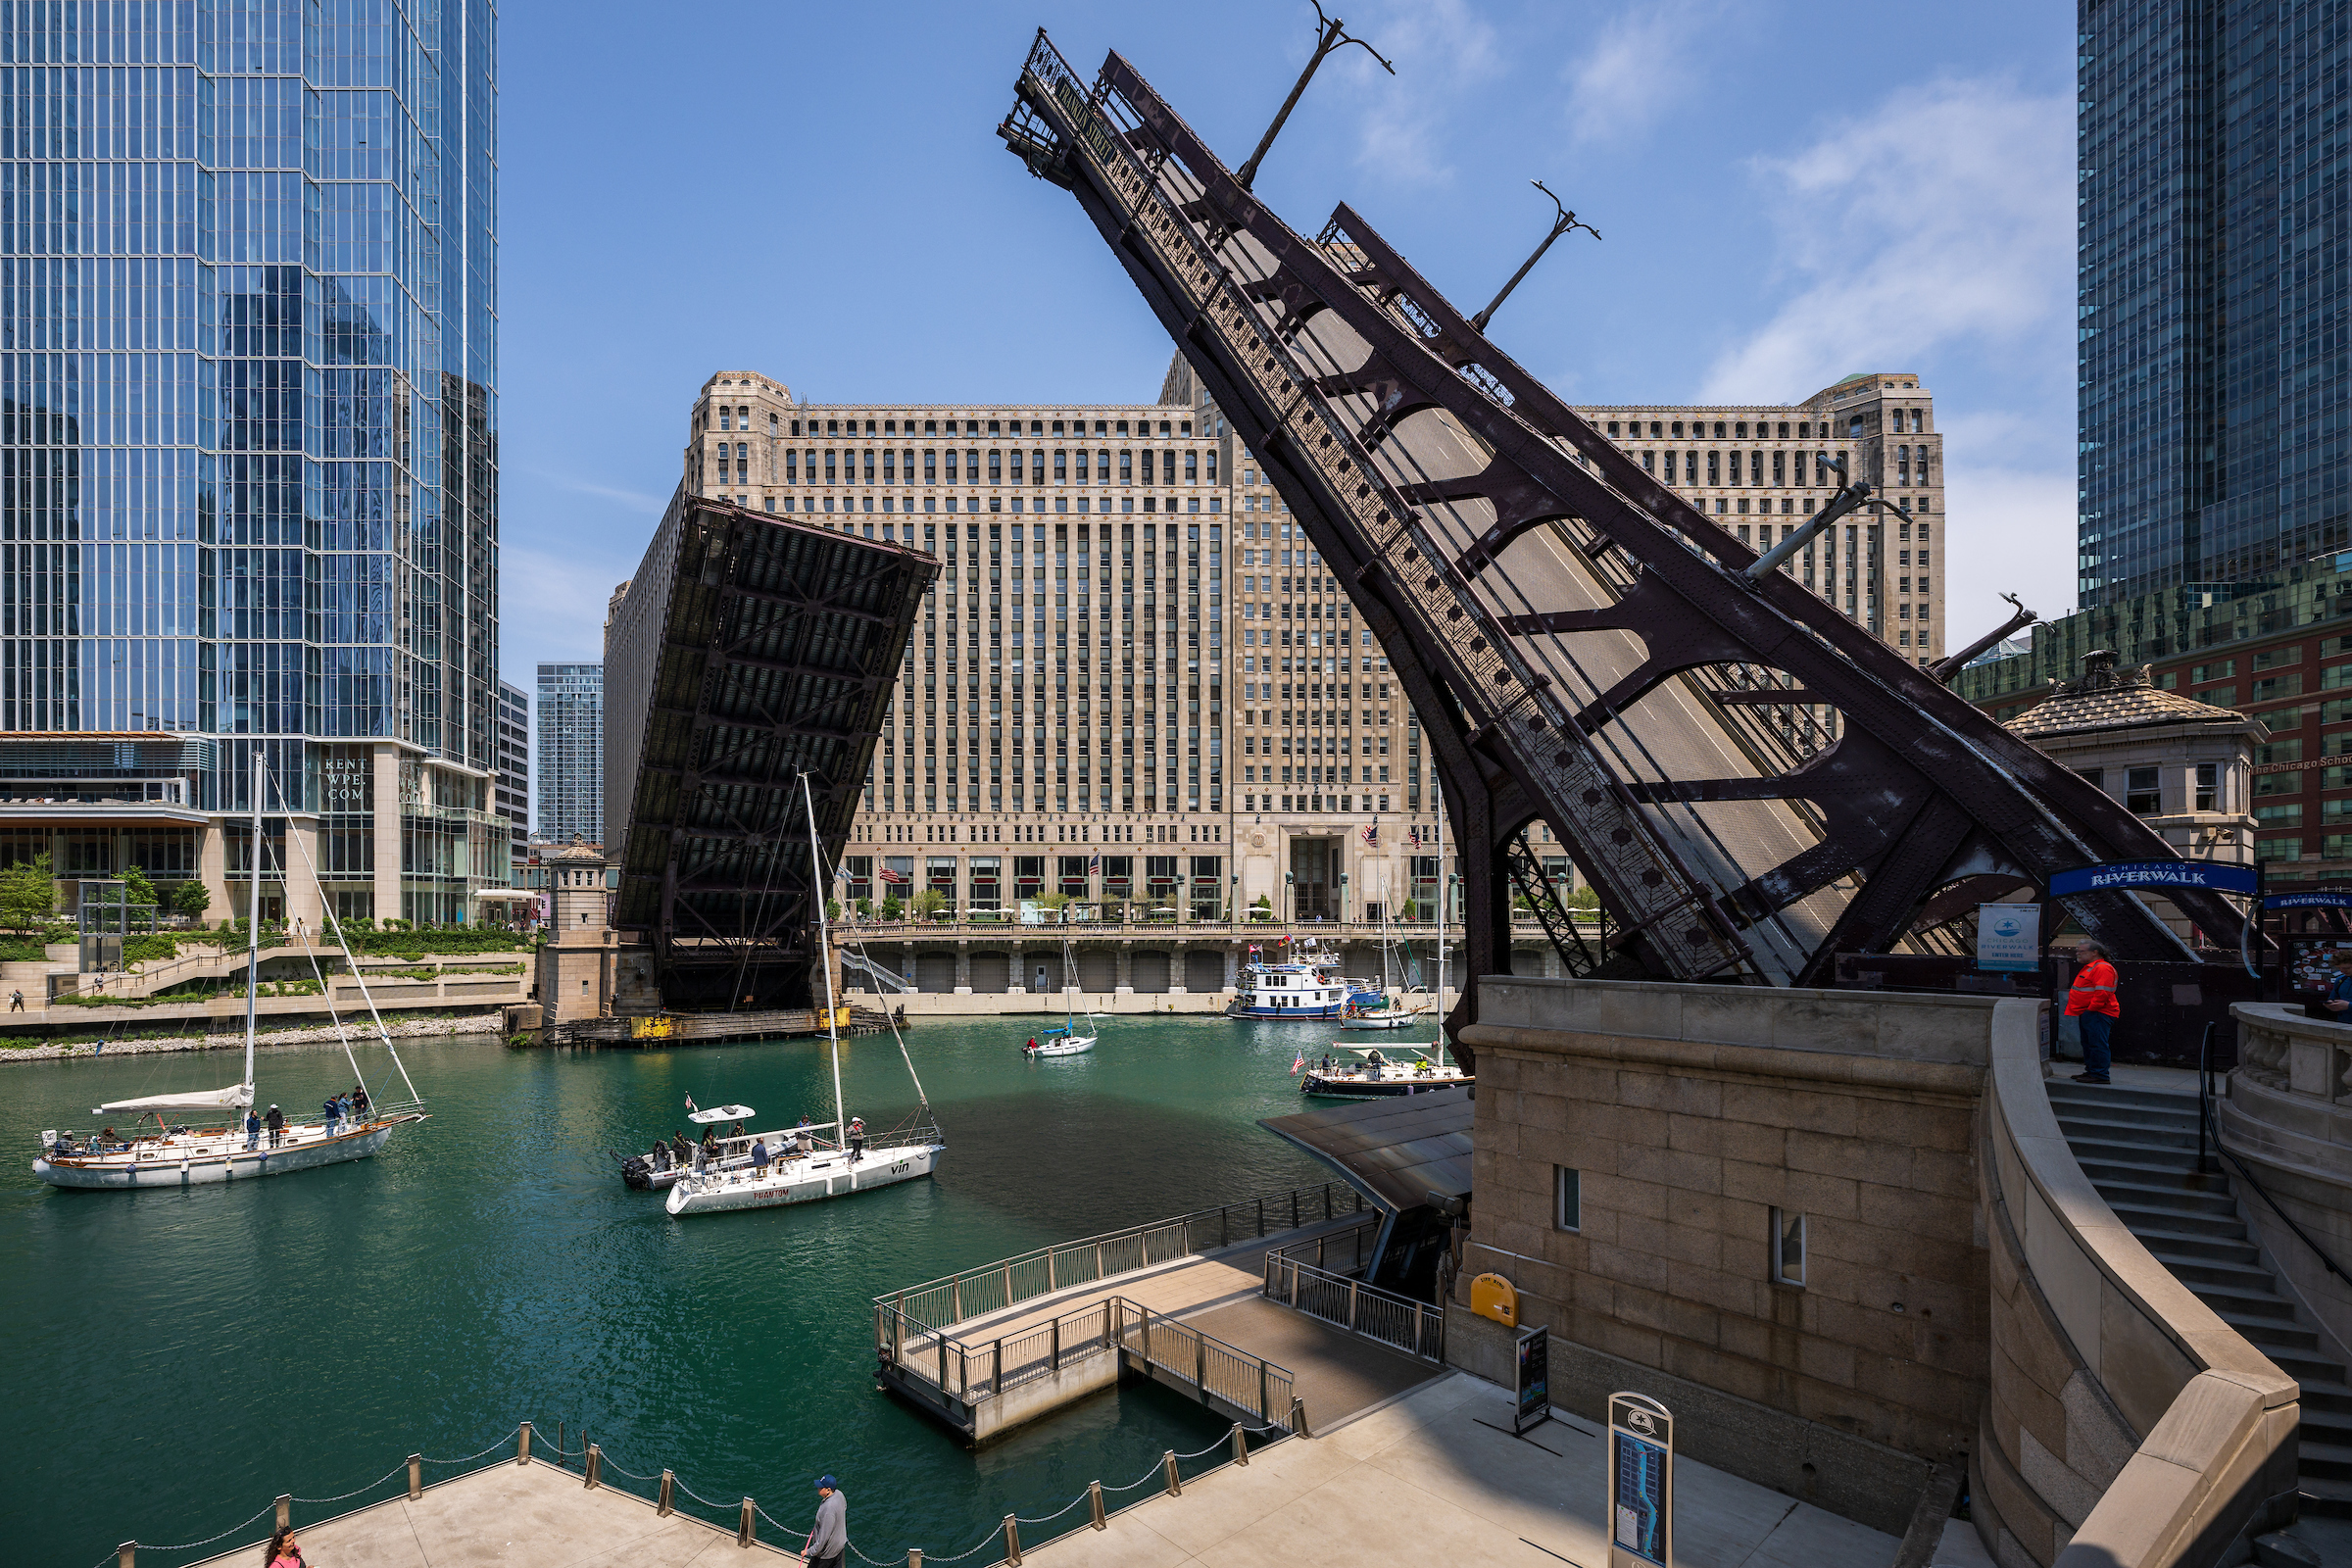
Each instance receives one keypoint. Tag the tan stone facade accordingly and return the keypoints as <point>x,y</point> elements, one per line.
<point>1745,464</point>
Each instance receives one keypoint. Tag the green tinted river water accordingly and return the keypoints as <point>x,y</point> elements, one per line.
<point>177,1358</point>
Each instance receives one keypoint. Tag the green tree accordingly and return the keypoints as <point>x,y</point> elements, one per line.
<point>1584,898</point>
<point>28,893</point>
<point>1054,904</point>
<point>929,903</point>
<point>891,908</point>
<point>1263,908</point>
<point>136,885</point>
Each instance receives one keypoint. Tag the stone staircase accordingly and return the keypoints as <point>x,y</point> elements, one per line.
<point>2139,1149</point>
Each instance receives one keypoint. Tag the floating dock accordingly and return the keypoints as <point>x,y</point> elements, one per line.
<point>707,1028</point>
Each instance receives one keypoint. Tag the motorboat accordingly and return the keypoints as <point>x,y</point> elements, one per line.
<point>1305,985</point>
<point>810,1163</point>
<point>1378,1074</point>
<point>180,1150</point>
<point>660,1167</point>
<point>1393,1015</point>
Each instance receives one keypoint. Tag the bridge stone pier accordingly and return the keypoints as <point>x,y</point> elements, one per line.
<point>1842,1236</point>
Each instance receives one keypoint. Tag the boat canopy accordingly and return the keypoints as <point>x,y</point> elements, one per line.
<point>722,1113</point>
<point>234,1097</point>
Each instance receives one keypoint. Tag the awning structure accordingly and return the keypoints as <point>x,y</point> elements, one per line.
<point>1396,1151</point>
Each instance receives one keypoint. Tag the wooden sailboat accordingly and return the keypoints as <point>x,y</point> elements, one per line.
<point>181,1154</point>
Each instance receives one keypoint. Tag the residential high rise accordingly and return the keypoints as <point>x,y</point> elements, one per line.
<point>571,753</point>
<point>248,407</point>
<point>2213,395</point>
<point>515,765</point>
<point>1741,465</point>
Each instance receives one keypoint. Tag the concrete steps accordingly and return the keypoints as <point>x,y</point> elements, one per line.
<point>2140,1149</point>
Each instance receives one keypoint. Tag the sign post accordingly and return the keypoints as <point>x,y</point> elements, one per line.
<point>2009,937</point>
<point>1532,1406</point>
<point>1640,1501</point>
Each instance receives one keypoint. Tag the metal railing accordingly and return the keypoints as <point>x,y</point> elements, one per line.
<point>1337,1296</point>
<point>942,1303</point>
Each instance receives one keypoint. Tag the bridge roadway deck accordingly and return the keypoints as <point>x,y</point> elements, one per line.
<point>513,1516</point>
<point>1334,1372</point>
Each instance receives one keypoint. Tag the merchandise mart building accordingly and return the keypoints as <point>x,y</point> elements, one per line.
<point>1135,682</point>
<point>248,407</point>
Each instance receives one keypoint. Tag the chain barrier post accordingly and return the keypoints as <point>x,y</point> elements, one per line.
<point>914,1557</point>
<point>1012,1540</point>
<point>743,1525</point>
<point>126,1555</point>
<point>663,1508</point>
<point>523,1443</point>
<point>1241,1446</point>
<point>415,1476</point>
<point>285,1510</point>
<point>1094,1505</point>
<point>1175,1481</point>
<point>595,1466</point>
<point>1298,1417</point>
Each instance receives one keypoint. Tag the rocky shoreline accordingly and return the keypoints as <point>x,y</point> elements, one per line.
<point>477,1023</point>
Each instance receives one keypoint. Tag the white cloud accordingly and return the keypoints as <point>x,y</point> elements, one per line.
<point>2019,539</point>
<point>1946,217</point>
<point>553,601</point>
<point>1632,70</point>
<point>1442,48</point>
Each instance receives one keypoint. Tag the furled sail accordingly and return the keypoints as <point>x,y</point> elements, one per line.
<point>234,1097</point>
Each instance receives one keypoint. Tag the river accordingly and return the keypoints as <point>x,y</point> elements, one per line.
<point>178,1357</point>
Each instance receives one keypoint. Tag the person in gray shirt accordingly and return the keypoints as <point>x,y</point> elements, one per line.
<point>831,1538</point>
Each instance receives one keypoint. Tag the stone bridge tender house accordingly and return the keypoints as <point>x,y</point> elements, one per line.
<point>1844,1237</point>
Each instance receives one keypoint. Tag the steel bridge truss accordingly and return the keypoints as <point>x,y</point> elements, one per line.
<point>1750,781</point>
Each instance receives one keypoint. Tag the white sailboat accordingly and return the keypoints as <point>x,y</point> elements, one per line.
<point>1065,1040</point>
<point>808,1165</point>
<point>1395,1011</point>
<point>179,1153</point>
<point>1384,1075</point>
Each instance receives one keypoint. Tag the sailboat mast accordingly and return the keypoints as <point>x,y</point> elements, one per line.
<point>1436,799</point>
<point>824,958</point>
<point>253,925</point>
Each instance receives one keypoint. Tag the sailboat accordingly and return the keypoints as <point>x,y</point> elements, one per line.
<point>1393,1012</point>
<point>1383,1075</point>
<point>830,1159</point>
<point>1063,1039</point>
<point>178,1154</point>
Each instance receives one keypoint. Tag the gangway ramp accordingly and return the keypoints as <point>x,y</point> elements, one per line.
<point>1178,1301</point>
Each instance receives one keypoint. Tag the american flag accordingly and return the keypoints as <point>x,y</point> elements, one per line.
<point>896,878</point>
<point>1371,833</point>
<point>1094,864</point>
<point>1416,837</point>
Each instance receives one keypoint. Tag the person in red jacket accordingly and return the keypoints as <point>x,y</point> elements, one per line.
<point>2090,999</point>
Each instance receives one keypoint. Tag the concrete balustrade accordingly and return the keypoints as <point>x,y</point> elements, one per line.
<point>2287,1114</point>
<point>2126,1425</point>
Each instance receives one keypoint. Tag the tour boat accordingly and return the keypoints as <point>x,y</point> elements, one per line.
<point>809,1167</point>
<point>1306,985</point>
<point>1378,1077</point>
<point>177,1153</point>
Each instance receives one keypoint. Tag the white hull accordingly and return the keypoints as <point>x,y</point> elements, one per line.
<point>197,1160</point>
<point>1401,1020</point>
<point>1076,1046</point>
<point>807,1180</point>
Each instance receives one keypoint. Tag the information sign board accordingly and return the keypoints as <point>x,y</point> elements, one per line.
<point>2009,936</point>
<point>2222,877</point>
<point>1640,1501</point>
<point>1534,1404</point>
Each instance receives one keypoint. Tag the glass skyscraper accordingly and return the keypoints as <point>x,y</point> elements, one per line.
<point>571,753</point>
<point>248,358</point>
<point>2214,389</point>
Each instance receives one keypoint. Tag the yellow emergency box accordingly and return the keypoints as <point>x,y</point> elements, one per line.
<point>1493,1296</point>
<point>657,1028</point>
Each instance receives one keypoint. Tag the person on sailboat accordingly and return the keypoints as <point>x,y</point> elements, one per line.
<point>252,1128</point>
<point>759,1156</point>
<point>857,1139</point>
<point>275,1121</point>
<point>359,1100</point>
<point>333,1111</point>
<point>1032,1046</point>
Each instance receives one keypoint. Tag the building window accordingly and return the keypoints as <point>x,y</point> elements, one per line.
<point>2209,786</point>
<point>1787,1247</point>
<point>2141,795</point>
<point>1567,1198</point>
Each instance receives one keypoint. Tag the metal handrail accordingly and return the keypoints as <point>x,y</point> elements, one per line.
<point>1344,1301</point>
<point>1021,1279</point>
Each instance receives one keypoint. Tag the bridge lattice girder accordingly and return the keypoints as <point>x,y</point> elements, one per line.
<point>1579,642</point>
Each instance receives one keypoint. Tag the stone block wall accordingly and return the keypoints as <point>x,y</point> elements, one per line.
<point>1690,1112</point>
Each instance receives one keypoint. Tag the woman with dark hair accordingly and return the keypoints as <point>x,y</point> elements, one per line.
<point>284,1551</point>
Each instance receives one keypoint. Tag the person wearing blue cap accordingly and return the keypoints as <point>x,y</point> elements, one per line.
<point>831,1538</point>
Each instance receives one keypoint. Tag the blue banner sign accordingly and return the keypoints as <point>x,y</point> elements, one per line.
<point>2308,900</point>
<point>2219,876</point>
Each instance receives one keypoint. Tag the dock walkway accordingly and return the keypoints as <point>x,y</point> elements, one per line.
<point>513,1516</point>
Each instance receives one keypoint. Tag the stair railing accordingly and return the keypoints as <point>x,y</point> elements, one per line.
<point>2206,1118</point>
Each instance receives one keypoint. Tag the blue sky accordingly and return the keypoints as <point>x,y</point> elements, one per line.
<point>1787,194</point>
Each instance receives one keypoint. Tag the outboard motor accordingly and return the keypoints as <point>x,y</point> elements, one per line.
<point>636,1174</point>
